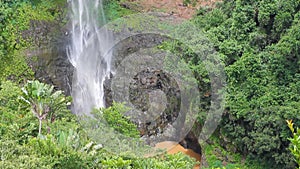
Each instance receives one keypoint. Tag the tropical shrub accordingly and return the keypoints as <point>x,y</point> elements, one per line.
<point>44,102</point>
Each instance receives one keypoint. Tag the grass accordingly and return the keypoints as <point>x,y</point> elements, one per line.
<point>113,10</point>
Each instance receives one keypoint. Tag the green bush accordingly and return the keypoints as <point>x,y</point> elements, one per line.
<point>175,161</point>
<point>14,155</point>
<point>120,123</point>
<point>15,121</point>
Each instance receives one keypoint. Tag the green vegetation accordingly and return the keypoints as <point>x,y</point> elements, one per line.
<point>187,2</point>
<point>219,157</point>
<point>44,102</point>
<point>259,44</point>
<point>67,144</point>
<point>295,142</point>
<point>16,18</point>
<point>113,116</point>
<point>113,9</point>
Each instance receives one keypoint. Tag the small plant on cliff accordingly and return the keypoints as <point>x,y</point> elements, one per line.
<point>44,102</point>
<point>115,119</point>
<point>295,142</point>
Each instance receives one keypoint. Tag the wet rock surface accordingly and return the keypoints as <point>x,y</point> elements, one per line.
<point>48,57</point>
<point>52,66</point>
<point>157,96</point>
<point>152,91</point>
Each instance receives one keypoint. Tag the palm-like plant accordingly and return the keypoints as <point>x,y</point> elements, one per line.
<point>44,102</point>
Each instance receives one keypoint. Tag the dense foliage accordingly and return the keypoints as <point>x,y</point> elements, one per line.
<point>67,144</point>
<point>259,43</point>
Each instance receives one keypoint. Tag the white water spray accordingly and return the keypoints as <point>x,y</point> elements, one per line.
<point>88,54</point>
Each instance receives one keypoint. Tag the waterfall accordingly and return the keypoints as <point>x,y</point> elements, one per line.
<point>87,53</point>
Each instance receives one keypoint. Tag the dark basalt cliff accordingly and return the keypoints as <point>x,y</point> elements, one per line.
<point>50,63</point>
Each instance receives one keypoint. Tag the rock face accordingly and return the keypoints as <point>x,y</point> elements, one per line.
<point>147,86</point>
<point>159,89</point>
<point>155,82</point>
<point>143,86</point>
<point>53,67</point>
<point>48,58</point>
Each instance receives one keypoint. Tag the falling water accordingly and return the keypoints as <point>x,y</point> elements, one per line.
<point>88,54</point>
